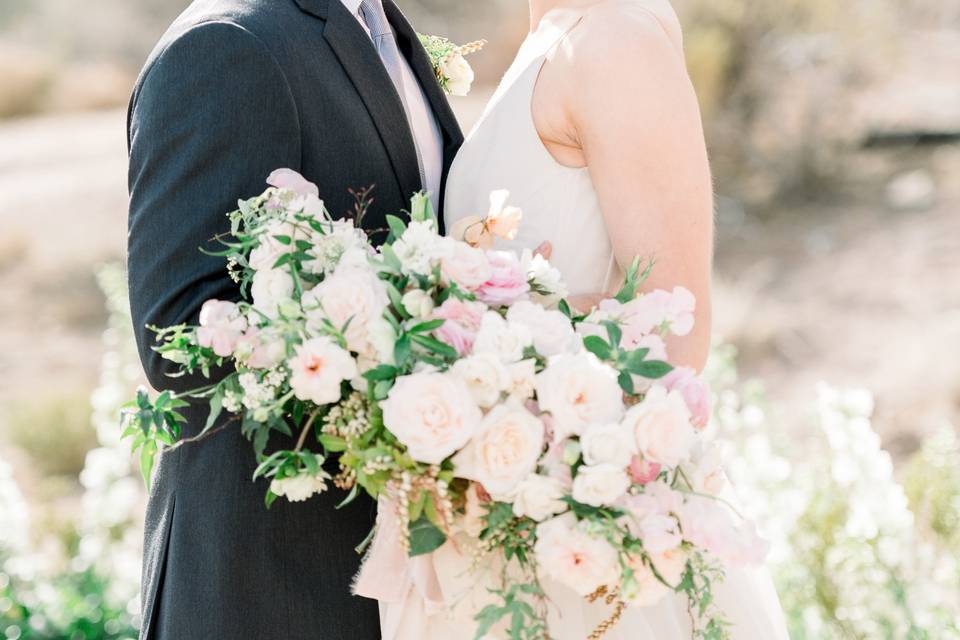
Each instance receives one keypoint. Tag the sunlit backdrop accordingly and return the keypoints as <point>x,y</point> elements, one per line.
<point>834,132</point>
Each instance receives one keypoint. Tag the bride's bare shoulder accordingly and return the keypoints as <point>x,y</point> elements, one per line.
<point>620,31</point>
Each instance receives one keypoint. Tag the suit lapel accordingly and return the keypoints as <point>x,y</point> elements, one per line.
<point>372,82</point>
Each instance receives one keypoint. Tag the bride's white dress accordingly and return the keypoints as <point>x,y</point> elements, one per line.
<point>559,204</point>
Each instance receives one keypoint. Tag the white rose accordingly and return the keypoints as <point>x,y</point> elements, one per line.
<point>578,390</point>
<point>523,375</point>
<point>608,444</point>
<point>484,375</point>
<point>505,339</point>
<point>419,248</point>
<point>464,265</point>
<point>351,295</point>
<point>458,73</point>
<point>269,289</point>
<point>600,485</point>
<point>546,284</point>
<point>503,451</point>
<point>539,497</point>
<point>705,470</point>
<point>432,414</point>
<point>551,330</point>
<point>318,368</point>
<point>301,486</point>
<point>661,425</point>
<point>418,303</point>
<point>574,558</point>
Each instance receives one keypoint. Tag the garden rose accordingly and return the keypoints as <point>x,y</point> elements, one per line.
<point>317,369</point>
<point>578,390</point>
<point>695,392</point>
<point>484,375</point>
<point>292,181</point>
<point>432,414</point>
<point>463,318</point>
<point>600,485</point>
<point>271,288</point>
<point>507,282</point>
<point>522,375</point>
<point>574,558</point>
<point>350,295</point>
<point>504,339</point>
<point>503,451</point>
<point>552,331</point>
<point>466,266</point>
<point>661,424</point>
<point>539,497</point>
<point>221,326</point>
<point>659,533</point>
<point>608,444</point>
<point>643,471</point>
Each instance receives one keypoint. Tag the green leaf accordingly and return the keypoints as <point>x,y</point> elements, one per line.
<point>216,406</point>
<point>390,258</point>
<point>598,347</point>
<point>613,332</point>
<point>434,345</point>
<point>401,350</point>
<point>283,239</point>
<point>147,456</point>
<point>381,372</point>
<point>382,389</point>
<point>626,382</point>
<point>428,326</point>
<point>425,537</point>
<point>564,308</point>
<point>354,492</point>
<point>635,358</point>
<point>333,444</point>
<point>652,369</point>
<point>397,226</point>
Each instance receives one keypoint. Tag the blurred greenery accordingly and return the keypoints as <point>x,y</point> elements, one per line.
<point>54,430</point>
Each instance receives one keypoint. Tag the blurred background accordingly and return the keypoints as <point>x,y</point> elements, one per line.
<point>834,131</point>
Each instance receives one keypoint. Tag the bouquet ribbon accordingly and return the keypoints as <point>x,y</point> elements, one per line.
<point>388,574</point>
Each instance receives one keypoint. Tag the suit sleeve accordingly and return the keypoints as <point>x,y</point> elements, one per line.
<point>210,119</point>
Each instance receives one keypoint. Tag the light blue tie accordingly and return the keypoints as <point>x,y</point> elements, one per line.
<point>386,44</point>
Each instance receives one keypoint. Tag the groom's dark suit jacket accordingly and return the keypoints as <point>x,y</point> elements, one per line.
<point>235,89</point>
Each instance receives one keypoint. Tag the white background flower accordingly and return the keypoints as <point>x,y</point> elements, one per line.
<point>419,248</point>
<point>551,330</point>
<point>503,451</point>
<point>433,414</point>
<point>608,443</point>
<point>269,289</point>
<point>504,339</point>
<point>600,485</point>
<point>578,390</point>
<point>318,368</point>
<point>484,375</point>
<point>539,497</point>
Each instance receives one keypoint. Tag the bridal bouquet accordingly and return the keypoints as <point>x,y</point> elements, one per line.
<point>454,384</point>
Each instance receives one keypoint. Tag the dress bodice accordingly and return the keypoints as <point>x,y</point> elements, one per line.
<point>504,151</point>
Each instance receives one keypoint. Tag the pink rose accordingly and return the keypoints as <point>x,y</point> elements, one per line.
<point>507,282</point>
<point>221,325</point>
<point>708,525</point>
<point>260,350</point>
<point>292,181</point>
<point>695,392</point>
<point>643,471</point>
<point>462,323</point>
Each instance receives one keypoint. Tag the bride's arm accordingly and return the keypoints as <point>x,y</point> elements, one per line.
<point>635,117</point>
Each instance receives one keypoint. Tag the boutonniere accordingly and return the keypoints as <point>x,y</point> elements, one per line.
<point>450,64</point>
